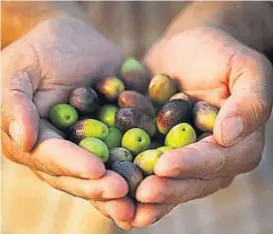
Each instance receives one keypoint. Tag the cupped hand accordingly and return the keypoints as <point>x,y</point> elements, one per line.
<point>209,65</point>
<point>38,71</point>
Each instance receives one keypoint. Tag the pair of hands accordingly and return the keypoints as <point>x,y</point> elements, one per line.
<point>58,55</point>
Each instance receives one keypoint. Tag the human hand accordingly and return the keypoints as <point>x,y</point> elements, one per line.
<point>39,71</point>
<point>209,65</point>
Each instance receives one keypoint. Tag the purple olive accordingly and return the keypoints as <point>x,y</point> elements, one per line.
<point>84,99</point>
<point>131,173</point>
<point>128,118</point>
<point>173,113</point>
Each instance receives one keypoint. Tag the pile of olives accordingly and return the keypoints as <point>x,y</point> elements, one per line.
<point>129,122</point>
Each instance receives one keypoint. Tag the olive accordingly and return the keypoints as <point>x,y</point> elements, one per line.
<point>133,99</point>
<point>84,99</point>
<point>131,173</point>
<point>127,118</point>
<point>172,113</point>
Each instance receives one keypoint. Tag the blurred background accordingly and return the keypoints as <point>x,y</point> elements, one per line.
<point>30,206</point>
<point>135,26</point>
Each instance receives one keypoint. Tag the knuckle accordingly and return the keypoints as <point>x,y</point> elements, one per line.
<point>11,150</point>
<point>251,60</point>
<point>260,111</point>
<point>182,195</point>
<point>57,183</point>
<point>89,192</point>
<point>37,164</point>
<point>6,116</point>
<point>194,189</point>
<point>218,162</point>
<point>202,188</point>
<point>221,161</point>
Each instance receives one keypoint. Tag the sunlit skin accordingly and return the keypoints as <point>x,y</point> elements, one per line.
<point>40,69</point>
<point>53,51</point>
<point>212,66</point>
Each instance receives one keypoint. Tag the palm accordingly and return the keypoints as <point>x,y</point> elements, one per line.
<point>200,62</point>
<point>70,54</point>
<point>40,70</point>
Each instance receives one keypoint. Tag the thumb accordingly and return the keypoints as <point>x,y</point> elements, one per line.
<point>20,118</point>
<point>249,106</point>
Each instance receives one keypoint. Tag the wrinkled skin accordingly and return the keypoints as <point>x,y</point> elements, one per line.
<point>41,69</point>
<point>211,66</point>
<point>38,71</point>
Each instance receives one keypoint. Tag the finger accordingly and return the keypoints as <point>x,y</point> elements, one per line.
<point>147,214</point>
<point>55,156</point>
<point>249,106</point>
<point>121,210</point>
<point>125,226</point>
<point>110,186</point>
<point>20,118</point>
<point>156,189</point>
<point>105,210</point>
<point>206,159</point>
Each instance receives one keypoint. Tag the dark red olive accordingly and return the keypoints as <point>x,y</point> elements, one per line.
<point>133,99</point>
<point>172,113</point>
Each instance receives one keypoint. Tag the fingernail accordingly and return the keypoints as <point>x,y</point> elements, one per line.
<point>15,132</point>
<point>232,129</point>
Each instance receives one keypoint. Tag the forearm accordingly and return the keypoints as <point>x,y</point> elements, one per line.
<point>20,17</point>
<point>249,22</point>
